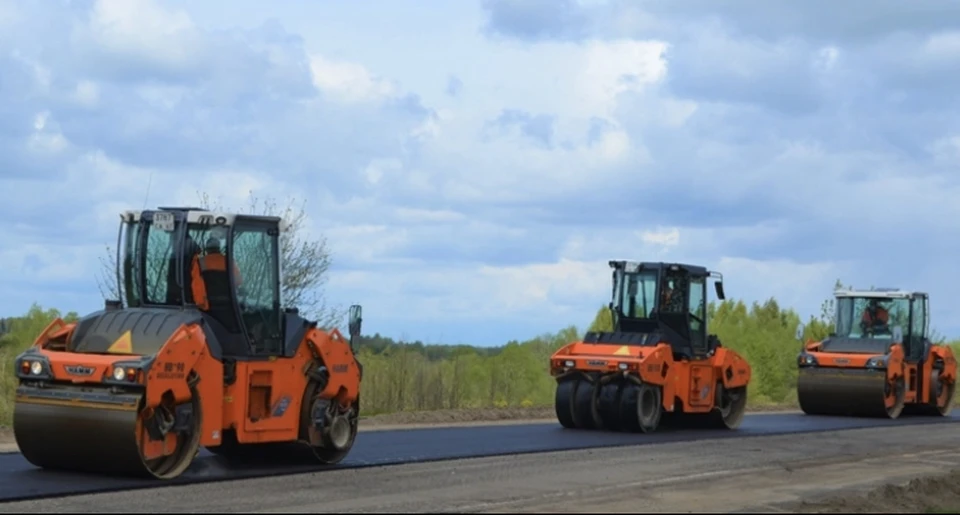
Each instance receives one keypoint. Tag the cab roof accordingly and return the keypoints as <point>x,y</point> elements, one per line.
<point>197,215</point>
<point>636,266</point>
<point>878,293</point>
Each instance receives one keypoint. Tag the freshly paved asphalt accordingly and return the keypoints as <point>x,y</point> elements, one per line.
<point>20,480</point>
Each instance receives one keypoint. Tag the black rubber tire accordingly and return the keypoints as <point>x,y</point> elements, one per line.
<point>608,406</point>
<point>649,407</point>
<point>628,408</point>
<point>563,402</point>
<point>585,406</point>
<point>328,454</point>
<point>897,409</point>
<point>641,407</point>
<point>942,411</point>
<point>731,407</point>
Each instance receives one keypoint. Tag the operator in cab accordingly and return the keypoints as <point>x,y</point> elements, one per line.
<point>671,294</point>
<point>875,318</point>
<point>214,260</point>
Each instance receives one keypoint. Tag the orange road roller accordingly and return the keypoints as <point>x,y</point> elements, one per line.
<point>658,364</point>
<point>201,354</point>
<point>878,361</point>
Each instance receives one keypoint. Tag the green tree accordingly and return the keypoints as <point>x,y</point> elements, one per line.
<point>603,321</point>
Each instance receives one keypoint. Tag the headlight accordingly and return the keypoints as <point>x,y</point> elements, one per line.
<point>877,362</point>
<point>33,368</point>
<point>806,360</point>
<point>125,372</point>
<point>623,366</point>
<point>568,363</point>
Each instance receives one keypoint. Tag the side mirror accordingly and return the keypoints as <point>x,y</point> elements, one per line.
<point>719,287</point>
<point>356,319</point>
<point>799,334</point>
<point>898,334</point>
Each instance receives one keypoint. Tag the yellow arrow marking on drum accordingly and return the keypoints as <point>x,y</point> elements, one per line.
<point>123,345</point>
<point>622,351</point>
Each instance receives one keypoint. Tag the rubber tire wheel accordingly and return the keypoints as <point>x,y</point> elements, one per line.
<point>942,411</point>
<point>585,406</point>
<point>897,409</point>
<point>608,406</point>
<point>171,467</point>
<point>326,455</point>
<point>563,402</point>
<point>331,455</point>
<point>641,407</point>
<point>734,413</point>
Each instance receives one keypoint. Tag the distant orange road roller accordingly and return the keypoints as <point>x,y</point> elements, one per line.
<point>658,361</point>
<point>202,354</point>
<point>878,361</point>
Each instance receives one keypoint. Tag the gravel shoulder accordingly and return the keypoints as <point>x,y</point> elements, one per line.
<point>817,472</point>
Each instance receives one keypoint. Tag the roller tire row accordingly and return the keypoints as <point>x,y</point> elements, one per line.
<point>631,407</point>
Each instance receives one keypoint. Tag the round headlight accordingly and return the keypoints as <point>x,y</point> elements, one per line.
<point>118,373</point>
<point>36,368</point>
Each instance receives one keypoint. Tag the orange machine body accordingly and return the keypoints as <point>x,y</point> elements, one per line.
<point>877,366</point>
<point>218,364</point>
<point>658,359</point>
<point>262,405</point>
<point>690,382</point>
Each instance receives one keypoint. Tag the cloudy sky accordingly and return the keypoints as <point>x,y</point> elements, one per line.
<point>475,163</point>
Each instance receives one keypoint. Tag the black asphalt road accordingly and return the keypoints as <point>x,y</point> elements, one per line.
<point>20,480</point>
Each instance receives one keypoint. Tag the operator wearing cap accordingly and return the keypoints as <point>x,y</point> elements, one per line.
<point>875,318</point>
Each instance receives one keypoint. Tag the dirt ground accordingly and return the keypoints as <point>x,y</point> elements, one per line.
<point>930,494</point>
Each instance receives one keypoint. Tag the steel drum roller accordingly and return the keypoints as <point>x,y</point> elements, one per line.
<point>81,430</point>
<point>838,391</point>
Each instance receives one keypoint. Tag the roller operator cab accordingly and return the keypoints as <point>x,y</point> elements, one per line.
<point>198,353</point>
<point>878,361</point>
<point>659,364</point>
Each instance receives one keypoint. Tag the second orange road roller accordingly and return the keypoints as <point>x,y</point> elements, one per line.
<point>878,361</point>
<point>659,363</point>
<point>202,354</point>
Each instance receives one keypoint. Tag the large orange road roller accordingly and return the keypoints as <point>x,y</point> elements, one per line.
<point>203,354</point>
<point>658,363</point>
<point>878,361</point>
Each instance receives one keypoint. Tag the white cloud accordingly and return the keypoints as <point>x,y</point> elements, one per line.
<point>662,237</point>
<point>9,14</point>
<point>609,68</point>
<point>143,29</point>
<point>798,285</point>
<point>87,93</point>
<point>348,82</point>
<point>946,150</point>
